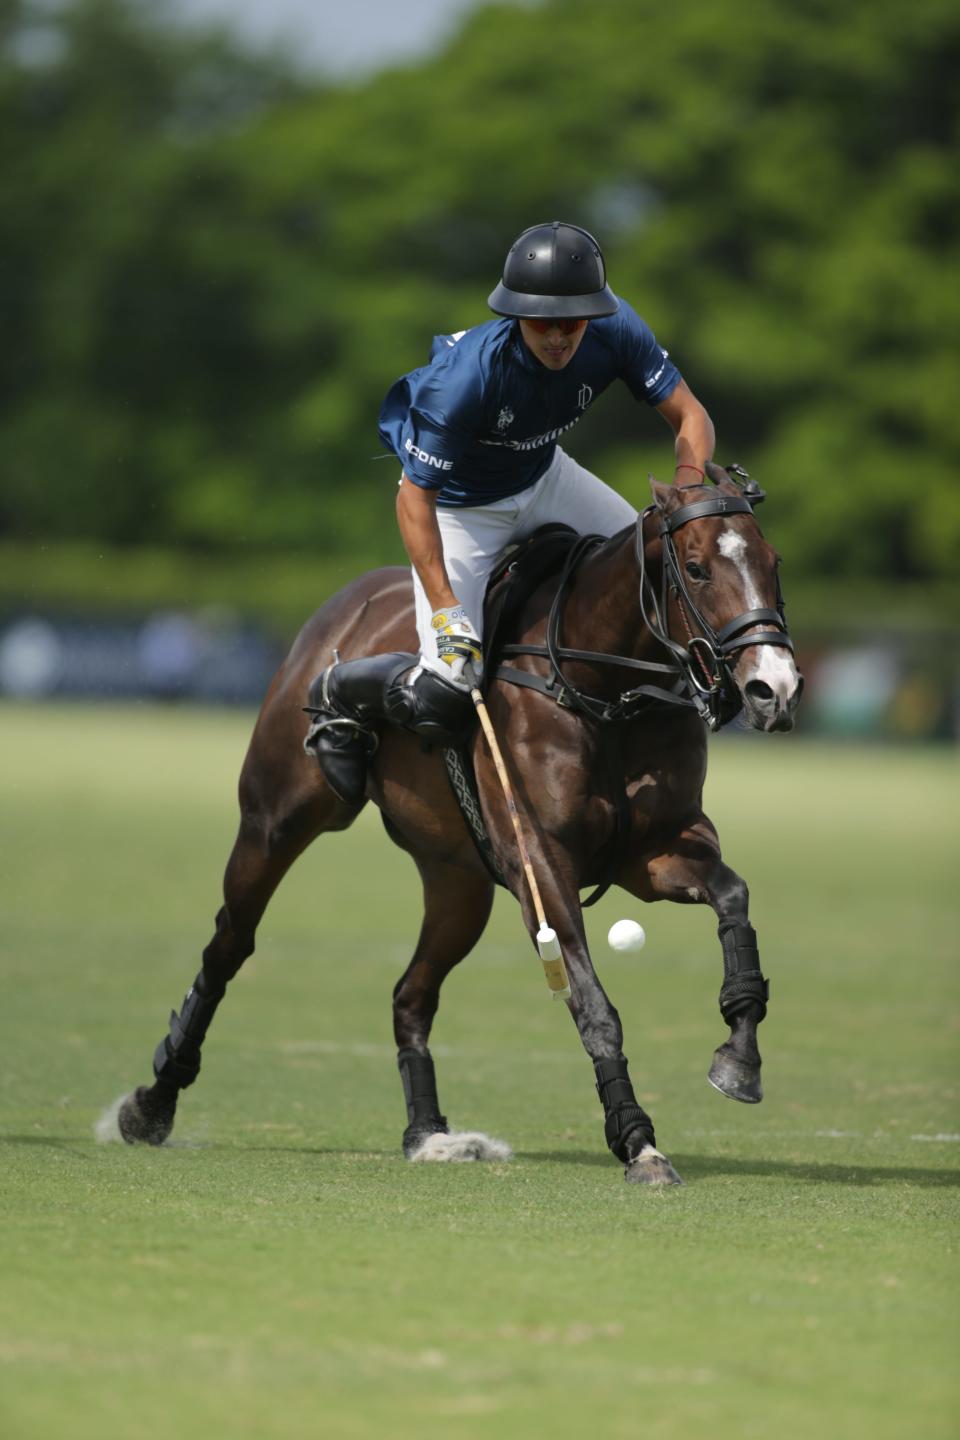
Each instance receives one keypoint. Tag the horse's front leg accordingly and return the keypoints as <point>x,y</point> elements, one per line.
<point>689,870</point>
<point>628,1128</point>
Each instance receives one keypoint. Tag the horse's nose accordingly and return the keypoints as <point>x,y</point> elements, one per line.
<point>763,705</point>
<point>774,706</point>
<point>760,693</point>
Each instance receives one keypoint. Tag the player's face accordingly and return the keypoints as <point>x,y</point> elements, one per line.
<point>553,342</point>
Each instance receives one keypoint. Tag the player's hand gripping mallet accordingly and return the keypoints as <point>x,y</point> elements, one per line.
<point>547,942</point>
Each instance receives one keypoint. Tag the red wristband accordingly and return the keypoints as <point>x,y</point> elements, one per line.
<point>685,466</point>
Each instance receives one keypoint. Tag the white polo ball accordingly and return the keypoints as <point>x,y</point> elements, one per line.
<point>626,935</point>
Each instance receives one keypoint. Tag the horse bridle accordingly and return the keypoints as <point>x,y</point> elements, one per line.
<point>705,661</point>
<point>701,668</point>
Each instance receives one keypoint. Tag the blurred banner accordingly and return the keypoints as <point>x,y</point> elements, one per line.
<point>885,687</point>
<point>167,656</point>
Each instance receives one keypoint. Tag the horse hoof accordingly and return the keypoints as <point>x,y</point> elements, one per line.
<point>414,1136</point>
<point>735,1078</point>
<point>651,1168</point>
<point>142,1117</point>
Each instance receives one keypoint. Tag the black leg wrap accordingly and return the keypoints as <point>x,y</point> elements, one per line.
<point>420,1092</point>
<point>743,983</point>
<point>627,1126</point>
<point>176,1063</point>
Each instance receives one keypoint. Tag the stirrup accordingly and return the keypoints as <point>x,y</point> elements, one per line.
<point>327,717</point>
<point>330,721</point>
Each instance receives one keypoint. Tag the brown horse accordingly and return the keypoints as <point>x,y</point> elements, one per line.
<point>608,783</point>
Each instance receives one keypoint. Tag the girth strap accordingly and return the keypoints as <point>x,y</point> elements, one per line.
<point>461,775</point>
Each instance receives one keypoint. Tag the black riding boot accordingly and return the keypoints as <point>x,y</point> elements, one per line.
<point>346,703</point>
<point>349,699</point>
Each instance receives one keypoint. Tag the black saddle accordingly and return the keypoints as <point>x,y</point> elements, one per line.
<point>519,571</point>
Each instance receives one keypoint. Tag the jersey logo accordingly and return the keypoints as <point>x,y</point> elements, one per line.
<point>584,396</point>
<point>425,458</point>
<point>654,378</point>
<point>457,335</point>
<point>535,442</point>
<point>505,418</point>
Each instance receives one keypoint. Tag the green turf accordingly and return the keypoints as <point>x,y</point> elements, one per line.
<point>280,1271</point>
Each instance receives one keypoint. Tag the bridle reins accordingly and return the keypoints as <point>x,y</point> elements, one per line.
<point>700,670</point>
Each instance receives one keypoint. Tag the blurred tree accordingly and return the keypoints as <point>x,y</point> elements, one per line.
<point>130,335</point>
<point>209,274</point>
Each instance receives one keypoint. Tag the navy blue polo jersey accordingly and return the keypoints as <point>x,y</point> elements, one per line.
<point>481,421</point>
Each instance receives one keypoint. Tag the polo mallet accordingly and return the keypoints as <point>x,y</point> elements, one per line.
<point>547,943</point>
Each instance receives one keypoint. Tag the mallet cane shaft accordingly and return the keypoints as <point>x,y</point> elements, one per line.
<point>548,945</point>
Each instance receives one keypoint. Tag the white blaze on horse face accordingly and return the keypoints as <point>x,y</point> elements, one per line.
<point>774,665</point>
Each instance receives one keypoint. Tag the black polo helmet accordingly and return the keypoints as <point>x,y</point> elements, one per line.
<point>554,271</point>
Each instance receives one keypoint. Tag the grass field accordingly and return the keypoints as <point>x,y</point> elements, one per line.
<point>280,1271</point>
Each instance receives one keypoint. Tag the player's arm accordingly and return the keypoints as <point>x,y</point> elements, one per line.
<point>457,640</point>
<point>417,518</point>
<point>693,430</point>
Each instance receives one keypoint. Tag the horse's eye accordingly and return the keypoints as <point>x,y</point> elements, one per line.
<point>695,571</point>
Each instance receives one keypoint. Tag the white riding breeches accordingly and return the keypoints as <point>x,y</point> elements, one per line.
<point>474,537</point>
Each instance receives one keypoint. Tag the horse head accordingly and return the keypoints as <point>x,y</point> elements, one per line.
<point>721,586</point>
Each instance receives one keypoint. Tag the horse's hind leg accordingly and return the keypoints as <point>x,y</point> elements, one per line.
<point>265,849</point>
<point>456,909</point>
<point>691,871</point>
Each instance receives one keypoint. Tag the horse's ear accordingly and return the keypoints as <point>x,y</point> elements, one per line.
<point>721,479</point>
<point>664,495</point>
